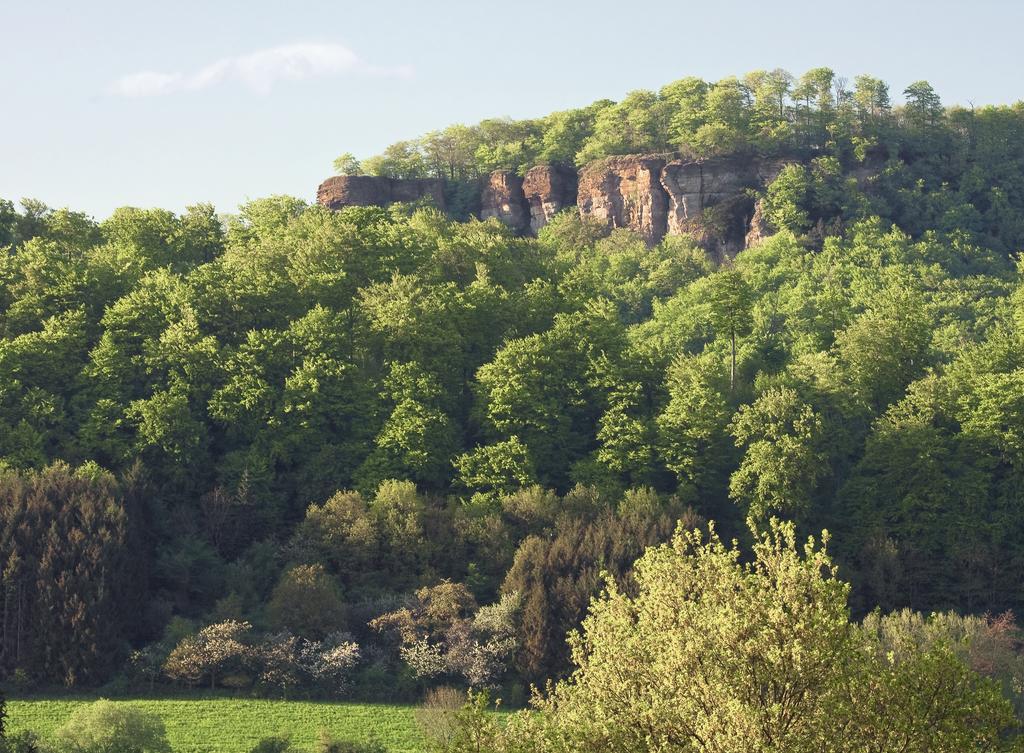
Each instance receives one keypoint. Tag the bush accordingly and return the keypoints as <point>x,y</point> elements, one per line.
<point>275,744</point>
<point>107,727</point>
<point>20,742</point>
<point>327,744</point>
<point>437,715</point>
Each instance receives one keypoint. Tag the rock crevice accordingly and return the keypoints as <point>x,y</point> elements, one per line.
<point>548,190</point>
<point>503,198</point>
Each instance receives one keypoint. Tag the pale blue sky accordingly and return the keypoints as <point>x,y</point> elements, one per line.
<point>256,97</point>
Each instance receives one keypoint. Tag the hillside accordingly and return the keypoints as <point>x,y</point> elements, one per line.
<point>373,445</point>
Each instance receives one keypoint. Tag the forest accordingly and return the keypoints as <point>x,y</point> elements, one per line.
<point>296,452</point>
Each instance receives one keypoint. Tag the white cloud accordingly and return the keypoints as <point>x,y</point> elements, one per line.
<point>258,71</point>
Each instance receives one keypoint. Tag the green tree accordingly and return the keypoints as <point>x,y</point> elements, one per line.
<point>692,427</point>
<point>787,200</point>
<point>816,104</point>
<point>924,107</point>
<point>726,119</point>
<point>347,164</point>
<point>717,653</point>
<point>308,602</point>
<point>782,462</point>
<point>887,346</point>
<point>871,96</point>
<point>729,300</point>
<point>637,124</point>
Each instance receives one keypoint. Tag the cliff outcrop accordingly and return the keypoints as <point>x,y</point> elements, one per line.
<point>626,192</point>
<point>548,190</point>
<point>342,191</point>
<point>503,197</point>
<point>693,187</point>
<point>711,201</point>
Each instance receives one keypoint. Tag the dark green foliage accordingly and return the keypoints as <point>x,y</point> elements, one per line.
<point>71,571</point>
<point>557,577</point>
<point>327,744</point>
<point>278,744</point>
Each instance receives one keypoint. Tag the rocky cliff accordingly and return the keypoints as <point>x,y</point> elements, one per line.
<point>369,190</point>
<point>548,190</point>
<point>626,192</point>
<point>503,198</point>
<point>711,201</point>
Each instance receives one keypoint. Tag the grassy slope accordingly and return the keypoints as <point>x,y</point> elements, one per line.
<point>227,725</point>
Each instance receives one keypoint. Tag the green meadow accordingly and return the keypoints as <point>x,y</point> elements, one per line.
<point>230,725</point>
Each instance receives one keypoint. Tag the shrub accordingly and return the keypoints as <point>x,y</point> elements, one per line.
<point>327,744</point>
<point>437,715</point>
<point>107,727</point>
<point>443,632</point>
<point>289,661</point>
<point>20,742</point>
<point>275,744</point>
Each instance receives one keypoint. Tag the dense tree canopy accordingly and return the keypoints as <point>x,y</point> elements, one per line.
<point>303,421</point>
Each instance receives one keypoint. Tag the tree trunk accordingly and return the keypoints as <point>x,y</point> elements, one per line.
<point>732,372</point>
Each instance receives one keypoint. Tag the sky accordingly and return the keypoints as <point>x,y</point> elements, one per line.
<point>108,103</point>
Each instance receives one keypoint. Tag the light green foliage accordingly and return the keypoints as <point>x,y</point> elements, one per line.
<point>106,727</point>
<point>717,653</point>
<point>787,198</point>
<point>377,399</point>
<point>417,438</point>
<point>887,346</point>
<point>475,727</point>
<point>400,160</point>
<point>691,429</point>
<point>871,96</point>
<point>347,164</point>
<point>637,124</point>
<point>726,120</point>
<point>504,466</point>
<point>542,388</point>
<point>781,464</point>
<point>729,300</point>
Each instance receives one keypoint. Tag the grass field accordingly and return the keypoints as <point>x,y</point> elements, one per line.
<point>229,725</point>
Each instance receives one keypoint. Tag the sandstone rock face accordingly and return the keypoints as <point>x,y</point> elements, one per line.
<point>759,229</point>
<point>709,200</point>
<point>694,187</point>
<point>548,190</point>
<point>626,192</point>
<point>503,198</point>
<point>406,190</point>
<point>369,190</point>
